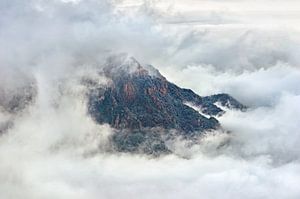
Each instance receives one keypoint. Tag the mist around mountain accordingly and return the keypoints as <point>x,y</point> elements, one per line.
<point>54,69</point>
<point>147,110</point>
<point>142,107</point>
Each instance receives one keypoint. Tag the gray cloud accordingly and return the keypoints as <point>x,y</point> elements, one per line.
<point>53,149</point>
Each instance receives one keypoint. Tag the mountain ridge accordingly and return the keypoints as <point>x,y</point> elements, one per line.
<point>140,99</point>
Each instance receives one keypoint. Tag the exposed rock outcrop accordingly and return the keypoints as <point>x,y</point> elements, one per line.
<point>139,101</point>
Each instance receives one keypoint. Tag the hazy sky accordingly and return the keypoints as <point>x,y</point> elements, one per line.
<point>247,48</point>
<point>256,12</point>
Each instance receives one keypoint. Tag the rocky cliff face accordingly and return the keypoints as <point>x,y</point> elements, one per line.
<point>144,107</point>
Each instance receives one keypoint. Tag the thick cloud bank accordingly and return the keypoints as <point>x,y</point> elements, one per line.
<point>50,147</point>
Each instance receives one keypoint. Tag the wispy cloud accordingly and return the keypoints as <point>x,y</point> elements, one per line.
<point>53,149</point>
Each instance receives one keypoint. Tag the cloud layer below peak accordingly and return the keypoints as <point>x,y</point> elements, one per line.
<point>53,149</point>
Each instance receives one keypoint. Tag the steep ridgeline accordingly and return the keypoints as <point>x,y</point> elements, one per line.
<point>145,108</point>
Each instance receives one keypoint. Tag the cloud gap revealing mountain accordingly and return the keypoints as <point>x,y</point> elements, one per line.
<point>146,109</point>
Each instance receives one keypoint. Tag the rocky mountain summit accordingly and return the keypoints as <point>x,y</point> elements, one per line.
<point>146,109</point>
<point>138,102</point>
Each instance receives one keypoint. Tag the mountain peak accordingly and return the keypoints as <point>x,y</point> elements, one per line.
<point>124,65</point>
<point>140,100</point>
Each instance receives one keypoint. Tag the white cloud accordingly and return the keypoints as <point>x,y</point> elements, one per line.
<point>262,87</point>
<point>54,150</point>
